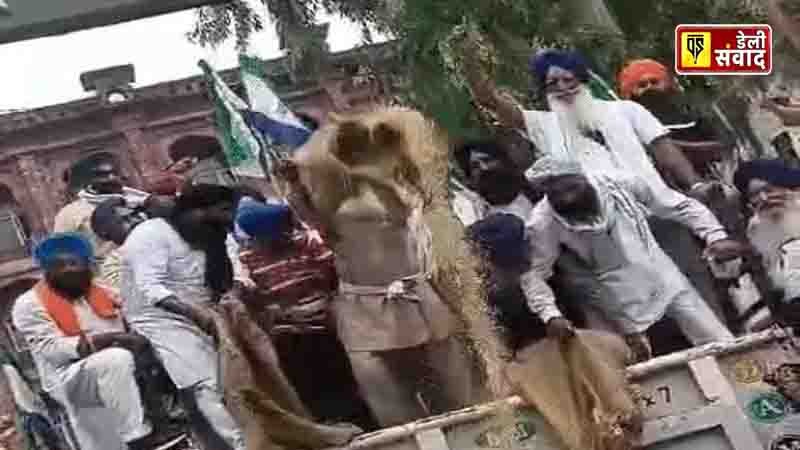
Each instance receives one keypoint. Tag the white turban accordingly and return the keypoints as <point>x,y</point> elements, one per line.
<point>547,166</point>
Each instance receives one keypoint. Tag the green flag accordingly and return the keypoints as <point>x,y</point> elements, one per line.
<point>240,145</point>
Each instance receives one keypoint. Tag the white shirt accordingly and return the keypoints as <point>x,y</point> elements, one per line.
<point>627,128</point>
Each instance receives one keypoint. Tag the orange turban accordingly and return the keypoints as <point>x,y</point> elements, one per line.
<point>635,71</point>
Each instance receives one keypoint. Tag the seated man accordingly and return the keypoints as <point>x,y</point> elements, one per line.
<point>173,271</point>
<point>293,270</point>
<point>82,350</point>
<point>601,228</point>
<point>112,221</point>
<point>295,280</point>
<point>772,190</point>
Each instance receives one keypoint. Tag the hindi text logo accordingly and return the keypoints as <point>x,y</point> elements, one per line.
<point>723,49</point>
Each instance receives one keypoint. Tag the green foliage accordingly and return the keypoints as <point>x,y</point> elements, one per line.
<point>216,24</point>
<point>511,27</point>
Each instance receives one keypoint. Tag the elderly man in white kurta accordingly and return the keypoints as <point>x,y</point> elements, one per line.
<point>81,348</point>
<point>173,270</point>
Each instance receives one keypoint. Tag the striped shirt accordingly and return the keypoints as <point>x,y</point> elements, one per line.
<point>300,281</point>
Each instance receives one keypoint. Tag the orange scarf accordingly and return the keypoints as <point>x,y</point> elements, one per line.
<point>63,312</point>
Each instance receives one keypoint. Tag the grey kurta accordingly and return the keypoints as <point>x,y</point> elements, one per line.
<point>158,264</point>
<point>638,282</point>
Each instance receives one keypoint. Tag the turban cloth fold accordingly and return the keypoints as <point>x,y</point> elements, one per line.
<point>636,71</point>
<point>63,243</point>
<point>502,238</point>
<point>260,220</point>
<point>541,62</point>
<point>773,171</point>
<point>546,167</point>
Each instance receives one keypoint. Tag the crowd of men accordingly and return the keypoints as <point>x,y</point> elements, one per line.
<point>584,237</point>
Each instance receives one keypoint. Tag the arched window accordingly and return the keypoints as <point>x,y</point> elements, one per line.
<point>212,168</point>
<point>13,228</point>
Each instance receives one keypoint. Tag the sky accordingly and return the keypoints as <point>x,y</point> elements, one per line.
<point>46,71</point>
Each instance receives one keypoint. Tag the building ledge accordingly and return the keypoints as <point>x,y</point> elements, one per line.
<point>342,63</point>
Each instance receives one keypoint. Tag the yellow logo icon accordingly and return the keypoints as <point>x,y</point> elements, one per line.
<point>696,49</point>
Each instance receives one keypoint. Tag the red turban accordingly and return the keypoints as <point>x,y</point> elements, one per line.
<point>635,71</point>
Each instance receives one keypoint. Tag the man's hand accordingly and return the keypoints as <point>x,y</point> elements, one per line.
<point>205,320</point>
<point>560,328</point>
<point>640,346</point>
<point>202,317</point>
<point>133,342</point>
<point>726,250</point>
<point>707,192</point>
<point>244,284</point>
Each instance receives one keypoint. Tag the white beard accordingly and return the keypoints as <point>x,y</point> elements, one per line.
<point>769,230</point>
<point>582,115</point>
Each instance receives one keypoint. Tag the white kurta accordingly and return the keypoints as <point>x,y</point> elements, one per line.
<point>159,264</point>
<point>81,385</point>
<point>627,128</point>
<point>637,281</point>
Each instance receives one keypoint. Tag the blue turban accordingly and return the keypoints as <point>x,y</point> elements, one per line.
<point>260,220</point>
<point>773,171</point>
<point>63,243</point>
<point>502,237</point>
<point>541,62</point>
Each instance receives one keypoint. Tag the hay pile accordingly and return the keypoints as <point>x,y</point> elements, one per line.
<point>257,392</point>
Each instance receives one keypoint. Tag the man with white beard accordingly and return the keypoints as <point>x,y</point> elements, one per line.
<point>610,139</point>
<point>772,190</point>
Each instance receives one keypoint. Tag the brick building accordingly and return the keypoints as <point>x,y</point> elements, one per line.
<point>141,131</point>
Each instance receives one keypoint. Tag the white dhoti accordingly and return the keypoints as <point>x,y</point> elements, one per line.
<point>102,401</point>
<point>192,362</point>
